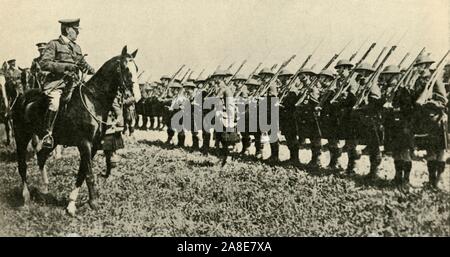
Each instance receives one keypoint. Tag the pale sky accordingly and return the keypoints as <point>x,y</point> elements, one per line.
<point>206,33</point>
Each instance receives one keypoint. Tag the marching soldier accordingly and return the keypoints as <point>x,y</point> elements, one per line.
<point>197,102</point>
<point>429,117</point>
<point>175,98</point>
<point>252,85</point>
<point>288,125</point>
<point>368,117</point>
<point>345,104</point>
<point>36,71</point>
<point>62,58</point>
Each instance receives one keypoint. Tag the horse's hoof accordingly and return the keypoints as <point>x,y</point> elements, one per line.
<point>93,204</point>
<point>71,209</point>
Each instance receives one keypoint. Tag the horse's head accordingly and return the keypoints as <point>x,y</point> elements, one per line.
<point>128,73</point>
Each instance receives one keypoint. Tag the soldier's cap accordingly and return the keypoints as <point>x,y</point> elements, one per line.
<point>423,59</point>
<point>327,73</point>
<point>165,77</point>
<point>252,82</point>
<point>307,71</point>
<point>364,67</point>
<point>240,77</point>
<point>41,45</point>
<point>220,73</point>
<point>74,23</point>
<point>189,84</point>
<point>175,85</point>
<point>266,71</point>
<point>285,72</point>
<point>343,63</point>
<point>391,69</point>
<point>11,61</point>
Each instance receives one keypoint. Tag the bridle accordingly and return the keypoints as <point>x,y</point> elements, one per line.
<point>122,86</point>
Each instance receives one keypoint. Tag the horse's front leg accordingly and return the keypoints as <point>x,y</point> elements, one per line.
<point>84,173</point>
<point>42,157</point>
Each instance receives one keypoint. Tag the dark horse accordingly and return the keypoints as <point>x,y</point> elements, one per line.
<point>82,123</point>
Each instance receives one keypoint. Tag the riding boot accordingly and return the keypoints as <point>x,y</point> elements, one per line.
<point>432,172</point>
<point>274,149</point>
<point>398,164</point>
<point>47,140</point>
<point>181,138</point>
<point>440,167</point>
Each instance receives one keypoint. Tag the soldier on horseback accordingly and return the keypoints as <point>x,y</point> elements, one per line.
<point>36,71</point>
<point>63,58</point>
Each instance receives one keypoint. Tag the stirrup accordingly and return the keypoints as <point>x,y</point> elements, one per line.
<point>45,141</point>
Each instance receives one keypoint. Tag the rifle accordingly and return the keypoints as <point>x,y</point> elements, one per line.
<point>365,91</point>
<point>237,71</point>
<point>285,90</point>
<point>274,67</point>
<point>185,74</point>
<point>273,78</point>
<point>314,82</point>
<point>403,60</point>
<point>231,66</point>
<point>403,79</point>
<point>379,56</point>
<point>345,85</point>
<point>199,75</point>
<point>357,51</point>
<point>428,90</point>
<point>171,81</point>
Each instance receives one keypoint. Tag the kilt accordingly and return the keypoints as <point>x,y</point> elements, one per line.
<point>398,134</point>
<point>368,129</point>
<point>306,122</point>
<point>140,107</point>
<point>112,142</point>
<point>329,122</point>
<point>429,131</point>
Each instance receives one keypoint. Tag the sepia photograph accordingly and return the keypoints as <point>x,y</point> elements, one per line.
<point>224,118</point>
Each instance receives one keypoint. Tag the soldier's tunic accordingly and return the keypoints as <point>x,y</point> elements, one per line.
<point>13,76</point>
<point>427,127</point>
<point>58,57</point>
<point>38,74</point>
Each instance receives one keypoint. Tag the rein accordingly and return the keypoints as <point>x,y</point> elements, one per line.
<point>82,84</point>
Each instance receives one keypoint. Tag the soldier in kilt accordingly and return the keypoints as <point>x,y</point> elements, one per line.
<point>429,118</point>
<point>367,117</point>
<point>288,126</point>
<point>247,93</point>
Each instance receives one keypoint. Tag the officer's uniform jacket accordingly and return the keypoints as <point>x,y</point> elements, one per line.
<point>58,56</point>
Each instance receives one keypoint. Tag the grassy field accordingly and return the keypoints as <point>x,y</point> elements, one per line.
<point>163,191</point>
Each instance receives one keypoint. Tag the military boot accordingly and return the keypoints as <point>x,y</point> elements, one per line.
<point>47,140</point>
<point>170,134</point>
<point>245,145</point>
<point>407,165</point>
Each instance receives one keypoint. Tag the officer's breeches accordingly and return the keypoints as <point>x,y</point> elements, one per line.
<point>54,97</point>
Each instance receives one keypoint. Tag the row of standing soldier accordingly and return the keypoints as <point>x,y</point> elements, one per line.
<point>373,105</point>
